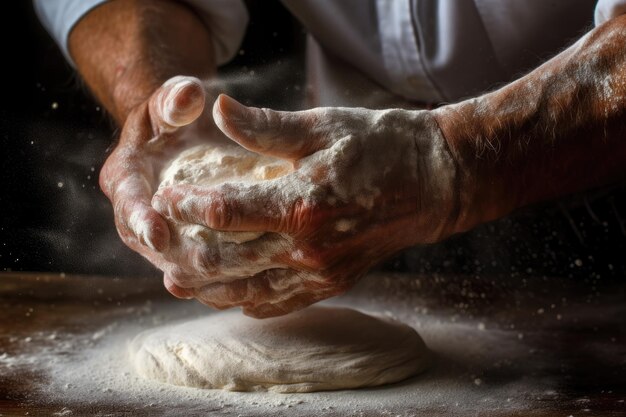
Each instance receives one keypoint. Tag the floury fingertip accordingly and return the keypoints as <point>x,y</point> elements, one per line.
<point>183,101</point>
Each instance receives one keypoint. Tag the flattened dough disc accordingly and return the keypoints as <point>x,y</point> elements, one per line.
<point>316,349</point>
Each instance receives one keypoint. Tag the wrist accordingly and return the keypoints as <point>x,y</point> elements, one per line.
<point>438,196</point>
<point>483,191</point>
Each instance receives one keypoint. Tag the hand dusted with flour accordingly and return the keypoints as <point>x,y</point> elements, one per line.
<point>166,123</point>
<point>369,183</point>
<point>364,185</point>
<point>126,51</point>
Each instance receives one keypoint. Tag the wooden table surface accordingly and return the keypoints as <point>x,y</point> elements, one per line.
<point>575,335</point>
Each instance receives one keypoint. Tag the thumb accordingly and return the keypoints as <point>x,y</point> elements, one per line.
<point>286,135</point>
<point>178,102</point>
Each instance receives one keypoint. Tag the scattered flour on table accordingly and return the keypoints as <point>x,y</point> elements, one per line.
<point>81,371</point>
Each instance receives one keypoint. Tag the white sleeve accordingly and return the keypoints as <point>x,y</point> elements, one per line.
<point>225,19</point>
<point>608,9</point>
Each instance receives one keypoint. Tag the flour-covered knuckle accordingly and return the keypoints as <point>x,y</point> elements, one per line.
<point>223,261</point>
<point>267,207</point>
<point>296,301</point>
<point>196,260</point>
<point>152,229</point>
<point>215,303</point>
<point>335,122</point>
<point>297,217</point>
<point>302,290</point>
<point>210,262</point>
<point>196,204</point>
<point>235,206</point>
<point>291,135</point>
<point>186,277</point>
<point>139,220</point>
<point>270,286</point>
<point>221,213</point>
<point>183,203</point>
<point>225,295</point>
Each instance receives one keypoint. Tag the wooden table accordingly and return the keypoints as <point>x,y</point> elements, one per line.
<point>566,336</point>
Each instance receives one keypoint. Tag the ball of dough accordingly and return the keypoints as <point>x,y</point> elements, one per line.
<point>208,165</point>
<point>316,349</point>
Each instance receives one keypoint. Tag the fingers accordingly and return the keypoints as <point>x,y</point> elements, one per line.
<point>131,195</point>
<point>175,290</point>
<point>124,182</point>
<point>235,207</point>
<point>295,303</point>
<point>286,135</point>
<point>271,293</point>
<point>210,258</point>
<point>274,285</point>
<point>179,102</point>
<point>125,176</point>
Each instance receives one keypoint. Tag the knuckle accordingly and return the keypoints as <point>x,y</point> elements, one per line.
<point>308,216</point>
<point>218,305</point>
<point>237,292</point>
<point>263,311</point>
<point>270,119</point>
<point>206,260</point>
<point>220,213</point>
<point>271,124</point>
<point>297,216</point>
<point>213,296</point>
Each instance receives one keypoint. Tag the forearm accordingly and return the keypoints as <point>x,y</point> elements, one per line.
<point>558,130</point>
<point>125,49</point>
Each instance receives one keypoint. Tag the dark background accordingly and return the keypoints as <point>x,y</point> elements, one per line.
<point>54,139</point>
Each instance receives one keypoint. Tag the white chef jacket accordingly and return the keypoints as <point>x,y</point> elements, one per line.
<point>374,52</point>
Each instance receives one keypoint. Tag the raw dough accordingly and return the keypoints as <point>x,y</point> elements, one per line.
<point>316,349</point>
<point>209,165</point>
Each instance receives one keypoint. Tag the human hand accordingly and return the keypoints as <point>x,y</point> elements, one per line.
<point>166,123</point>
<point>365,185</point>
